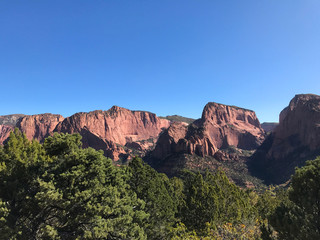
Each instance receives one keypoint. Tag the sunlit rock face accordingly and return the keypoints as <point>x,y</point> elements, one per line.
<point>116,127</point>
<point>39,126</point>
<point>5,132</point>
<point>295,140</point>
<point>7,124</point>
<point>117,132</point>
<point>34,126</point>
<point>220,126</point>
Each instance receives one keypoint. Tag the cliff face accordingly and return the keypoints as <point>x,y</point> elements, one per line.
<point>220,126</point>
<point>294,140</point>
<point>39,126</point>
<point>34,126</point>
<point>117,131</point>
<point>7,124</point>
<point>117,126</point>
<point>5,132</point>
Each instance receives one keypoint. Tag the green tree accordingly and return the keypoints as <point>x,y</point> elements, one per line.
<point>156,190</point>
<point>213,199</point>
<point>299,216</point>
<point>60,191</point>
<point>21,163</point>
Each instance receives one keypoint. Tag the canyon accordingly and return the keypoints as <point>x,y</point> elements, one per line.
<point>223,133</point>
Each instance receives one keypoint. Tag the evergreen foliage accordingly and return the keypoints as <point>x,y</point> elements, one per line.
<point>69,193</point>
<point>213,199</point>
<point>57,190</point>
<point>156,190</point>
<point>298,217</point>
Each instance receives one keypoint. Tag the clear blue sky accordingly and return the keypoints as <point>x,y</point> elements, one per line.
<point>167,57</point>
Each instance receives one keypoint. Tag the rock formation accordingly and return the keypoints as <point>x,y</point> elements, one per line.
<point>293,141</point>
<point>117,131</point>
<point>116,127</point>
<point>220,126</point>
<point>39,126</point>
<point>10,120</point>
<point>7,124</point>
<point>5,132</point>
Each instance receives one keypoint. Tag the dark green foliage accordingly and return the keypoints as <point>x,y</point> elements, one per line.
<point>299,216</point>
<point>58,190</point>
<point>61,144</point>
<point>213,199</point>
<point>156,190</point>
<point>73,194</point>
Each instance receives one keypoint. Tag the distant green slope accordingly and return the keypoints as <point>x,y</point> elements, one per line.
<point>177,118</point>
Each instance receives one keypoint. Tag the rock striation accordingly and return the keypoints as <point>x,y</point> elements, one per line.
<point>293,141</point>
<point>220,126</point>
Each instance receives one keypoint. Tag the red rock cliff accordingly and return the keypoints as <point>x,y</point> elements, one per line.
<point>115,126</point>
<point>5,132</point>
<point>301,121</point>
<point>39,126</point>
<point>293,141</point>
<point>118,125</point>
<point>220,126</point>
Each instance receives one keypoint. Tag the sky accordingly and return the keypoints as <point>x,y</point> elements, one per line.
<point>167,57</point>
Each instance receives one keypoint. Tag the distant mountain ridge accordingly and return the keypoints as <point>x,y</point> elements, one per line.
<point>223,134</point>
<point>123,133</point>
<point>269,126</point>
<point>177,118</point>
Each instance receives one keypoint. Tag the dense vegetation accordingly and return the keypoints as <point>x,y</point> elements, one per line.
<point>57,190</point>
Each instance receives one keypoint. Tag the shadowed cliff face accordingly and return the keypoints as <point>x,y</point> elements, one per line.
<point>293,141</point>
<point>221,126</point>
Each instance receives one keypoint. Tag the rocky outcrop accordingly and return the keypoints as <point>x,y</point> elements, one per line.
<point>39,126</point>
<point>293,141</point>
<point>220,126</point>
<point>10,120</point>
<point>110,149</point>
<point>117,126</point>
<point>5,132</point>
<point>117,131</point>
<point>7,124</point>
<point>269,126</point>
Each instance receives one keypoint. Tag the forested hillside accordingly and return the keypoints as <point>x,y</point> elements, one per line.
<point>58,190</point>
